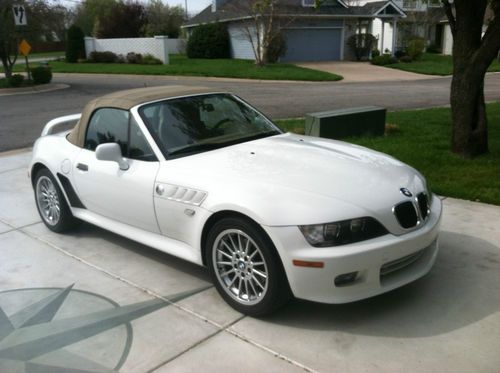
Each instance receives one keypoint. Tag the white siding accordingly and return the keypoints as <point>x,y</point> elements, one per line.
<point>240,43</point>
<point>388,33</point>
<point>447,40</point>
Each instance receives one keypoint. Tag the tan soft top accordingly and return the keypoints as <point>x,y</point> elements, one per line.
<point>127,100</point>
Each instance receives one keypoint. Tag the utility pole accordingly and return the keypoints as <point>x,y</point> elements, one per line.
<point>186,7</point>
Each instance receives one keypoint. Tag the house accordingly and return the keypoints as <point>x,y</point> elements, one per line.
<point>311,34</point>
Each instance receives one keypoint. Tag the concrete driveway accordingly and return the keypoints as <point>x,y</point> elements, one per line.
<point>95,302</point>
<point>365,72</point>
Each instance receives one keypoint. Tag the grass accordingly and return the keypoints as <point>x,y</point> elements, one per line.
<point>181,65</point>
<point>421,138</point>
<point>44,54</point>
<point>435,64</point>
<point>5,84</point>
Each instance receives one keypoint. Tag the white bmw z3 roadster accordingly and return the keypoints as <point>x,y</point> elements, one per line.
<point>204,176</point>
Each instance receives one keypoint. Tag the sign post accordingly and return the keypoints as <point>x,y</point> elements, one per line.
<point>24,49</point>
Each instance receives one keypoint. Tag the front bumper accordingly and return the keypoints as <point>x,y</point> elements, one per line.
<point>404,259</point>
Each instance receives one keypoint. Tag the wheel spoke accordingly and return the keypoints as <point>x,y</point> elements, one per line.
<point>253,287</point>
<point>227,272</point>
<point>225,254</point>
<point>228,247</point>
<point>258,282</point>
<point>225,263</point>
<point>239,288</point>
<point>246,289</point>
<point>261,274</point>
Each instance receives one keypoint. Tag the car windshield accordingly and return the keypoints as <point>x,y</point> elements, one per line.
<point>195,124</point>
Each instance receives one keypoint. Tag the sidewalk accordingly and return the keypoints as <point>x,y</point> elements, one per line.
<point>365,72</point>
<point>447,321</point>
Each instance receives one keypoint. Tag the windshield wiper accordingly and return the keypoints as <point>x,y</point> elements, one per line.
<point>193,148</point>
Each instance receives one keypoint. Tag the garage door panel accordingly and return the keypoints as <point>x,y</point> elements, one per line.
<point>312,45</point>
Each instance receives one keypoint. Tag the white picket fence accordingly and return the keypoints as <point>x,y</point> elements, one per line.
<point>158,46</point>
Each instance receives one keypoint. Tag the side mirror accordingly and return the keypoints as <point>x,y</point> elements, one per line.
<point>111,152</point>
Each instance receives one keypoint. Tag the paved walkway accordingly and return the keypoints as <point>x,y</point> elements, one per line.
<point>447,321</point>
<point>365,72</point>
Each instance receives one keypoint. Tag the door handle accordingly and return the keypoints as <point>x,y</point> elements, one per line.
<point>82,167</point>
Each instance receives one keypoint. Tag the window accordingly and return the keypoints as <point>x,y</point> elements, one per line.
<point>116,125</point>
<point>205,122</point>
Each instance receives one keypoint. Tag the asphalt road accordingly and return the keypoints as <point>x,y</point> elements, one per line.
<point>22,117</point>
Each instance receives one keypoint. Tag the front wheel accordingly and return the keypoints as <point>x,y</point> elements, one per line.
<point>245,267</point>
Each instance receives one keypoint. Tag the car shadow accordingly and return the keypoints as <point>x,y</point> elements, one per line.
<point>89,231</point>
<point>462,288</point>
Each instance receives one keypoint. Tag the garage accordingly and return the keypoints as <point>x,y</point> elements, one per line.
<point>313,44</point>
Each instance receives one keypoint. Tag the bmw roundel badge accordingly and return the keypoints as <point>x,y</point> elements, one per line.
<point>406,192</point>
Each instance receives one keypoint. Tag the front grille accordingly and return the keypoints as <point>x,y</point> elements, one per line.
<point>406,214</point>
<point>400,263</point>
<point>423,205</point>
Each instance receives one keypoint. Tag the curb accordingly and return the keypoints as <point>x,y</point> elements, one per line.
<point>31,90</point>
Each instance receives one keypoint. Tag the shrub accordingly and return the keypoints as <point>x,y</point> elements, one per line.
<point>406,59</point>
<point>276,49</point>
<point>415,48</point>
<point>41,75</point>
<point>149,59</point>
<point>209,41</point>
<point>75,45</point>
<point>361,45</point>
<point>133,57</point>
<point>385,59</point>
<point>400,53</point>
<point>16,80</point>
<point>375,53</point>
<point>433,48</point>
<point>103,57</point>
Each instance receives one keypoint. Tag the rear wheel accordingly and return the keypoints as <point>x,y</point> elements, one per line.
<point>245,267</point>
<point>51,203</point>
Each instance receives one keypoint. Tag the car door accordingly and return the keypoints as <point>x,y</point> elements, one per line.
<point>105,189</point>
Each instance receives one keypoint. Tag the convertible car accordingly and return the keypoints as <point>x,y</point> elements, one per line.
<point>204,176</point>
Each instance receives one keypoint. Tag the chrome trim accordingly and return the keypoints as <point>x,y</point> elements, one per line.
<point>420,219</point>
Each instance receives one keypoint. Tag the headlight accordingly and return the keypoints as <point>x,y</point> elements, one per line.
<point>342,232</point>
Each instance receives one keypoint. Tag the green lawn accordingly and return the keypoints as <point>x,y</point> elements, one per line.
<point>421,139</point>
<point>435,64</point>
<point>180,65</point>
<point>45,54</point>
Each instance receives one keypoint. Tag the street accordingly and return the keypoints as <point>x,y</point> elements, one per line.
<point>23,116</point>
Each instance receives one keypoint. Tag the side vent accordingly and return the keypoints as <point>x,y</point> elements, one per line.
<point>74,201</point>
<point>180,194</point>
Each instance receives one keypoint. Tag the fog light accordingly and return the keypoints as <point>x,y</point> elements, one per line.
<point>346,279</point>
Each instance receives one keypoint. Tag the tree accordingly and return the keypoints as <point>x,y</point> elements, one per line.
<point>264,27</point>
<point>9,37</point>
<point>163,19</point>
<point>89,11</point>
<point>472,55</point>
<point>126,20</point>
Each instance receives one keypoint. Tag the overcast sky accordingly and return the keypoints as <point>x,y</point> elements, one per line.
<point>194,6</point>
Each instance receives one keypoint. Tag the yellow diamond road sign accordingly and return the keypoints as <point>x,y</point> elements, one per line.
<point>24,48</point>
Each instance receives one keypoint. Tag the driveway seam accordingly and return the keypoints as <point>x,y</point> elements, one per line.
<point>217,332</point>
<point>269,350</point>
<point>13,228</point>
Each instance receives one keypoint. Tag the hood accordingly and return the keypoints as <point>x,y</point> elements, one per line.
<point>305,180</point>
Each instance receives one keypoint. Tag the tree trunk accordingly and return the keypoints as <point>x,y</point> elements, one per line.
<point>468,112</point>
<point>472,55</point>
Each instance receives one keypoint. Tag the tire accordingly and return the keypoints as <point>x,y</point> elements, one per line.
<point>245,267</point>
<point>51,203</point>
